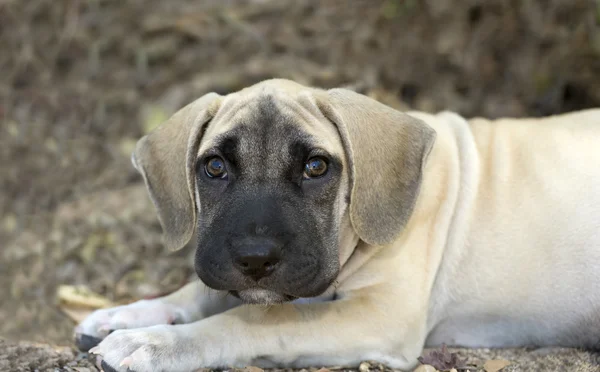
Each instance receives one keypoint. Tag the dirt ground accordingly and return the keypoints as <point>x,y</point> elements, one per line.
<point>81,81</point>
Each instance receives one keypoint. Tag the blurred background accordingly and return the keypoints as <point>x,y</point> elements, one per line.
<point>81,81</point>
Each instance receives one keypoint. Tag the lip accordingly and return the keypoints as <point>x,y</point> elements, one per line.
<point>288,298</point>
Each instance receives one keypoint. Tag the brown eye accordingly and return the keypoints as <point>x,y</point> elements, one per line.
<point>215,167</point>
<point>315,167</point>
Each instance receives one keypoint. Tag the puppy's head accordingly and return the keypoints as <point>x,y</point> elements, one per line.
<point>268,174</point>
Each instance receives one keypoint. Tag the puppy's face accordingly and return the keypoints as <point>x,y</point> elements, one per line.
<point>275,176</point>
<point>271,184</point>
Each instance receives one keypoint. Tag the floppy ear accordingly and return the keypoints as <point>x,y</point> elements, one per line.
<point>386,151</point>
<point>166,159</point>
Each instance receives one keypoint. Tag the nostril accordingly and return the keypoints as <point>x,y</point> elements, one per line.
<point>256,258</point>
<point>256,265</point>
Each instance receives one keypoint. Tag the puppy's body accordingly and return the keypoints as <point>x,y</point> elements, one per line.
<point>472,233</point>
<point>523,248</point>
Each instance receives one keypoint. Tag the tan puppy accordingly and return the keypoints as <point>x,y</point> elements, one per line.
<point>367,232</point>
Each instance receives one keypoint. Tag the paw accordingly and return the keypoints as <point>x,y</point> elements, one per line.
<point>156,348</point>
<point>139,314</point>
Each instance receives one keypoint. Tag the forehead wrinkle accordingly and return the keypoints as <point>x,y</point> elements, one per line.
<point>297,111</point>
<point>264,145</point>
<point>231,109</point>
<point>275,130</point>
<point>223,122</point>
<point>324,132</point>
<point>231,106</point>
<point>268,153</point>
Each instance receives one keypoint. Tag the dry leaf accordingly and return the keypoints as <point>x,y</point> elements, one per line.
<point>442,360</point>
<point>495,365</point>
<point>81,296</point>
<point>425,368</point>
<point>324,370</point>
<point>77,302</point>
<point>253,369</point>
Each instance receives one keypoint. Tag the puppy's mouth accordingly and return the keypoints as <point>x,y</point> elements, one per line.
<point>261,296</point>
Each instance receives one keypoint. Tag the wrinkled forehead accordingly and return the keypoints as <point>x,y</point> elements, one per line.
<point>269,123</point>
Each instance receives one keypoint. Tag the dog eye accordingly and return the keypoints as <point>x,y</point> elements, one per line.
<point>315,167</point>
<point>215,167</point>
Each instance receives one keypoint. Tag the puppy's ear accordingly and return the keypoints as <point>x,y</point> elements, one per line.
<point>166,159</point>
<point>386,151</point>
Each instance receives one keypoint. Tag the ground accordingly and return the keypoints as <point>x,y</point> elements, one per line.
<point>81,81</point>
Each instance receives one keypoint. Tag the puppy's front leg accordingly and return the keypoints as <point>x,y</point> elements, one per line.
<point>343,332</point>
<point>192,302</point>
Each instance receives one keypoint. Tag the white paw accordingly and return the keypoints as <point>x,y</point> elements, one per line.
<point>156,348</point>
<point>139,314</point>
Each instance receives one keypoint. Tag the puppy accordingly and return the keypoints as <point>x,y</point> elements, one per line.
<point>333,229</point>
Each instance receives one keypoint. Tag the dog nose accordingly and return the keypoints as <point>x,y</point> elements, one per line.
<point>257,258</point>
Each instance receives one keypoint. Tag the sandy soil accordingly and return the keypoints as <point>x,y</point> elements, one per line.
<point>81,81</point>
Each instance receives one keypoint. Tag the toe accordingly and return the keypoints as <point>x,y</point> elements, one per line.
<point>143,359</point>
